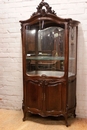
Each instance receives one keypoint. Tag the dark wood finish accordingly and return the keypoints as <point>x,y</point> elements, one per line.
<point>42,94</point>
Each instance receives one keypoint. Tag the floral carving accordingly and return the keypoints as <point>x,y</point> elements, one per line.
<point>43,9</point>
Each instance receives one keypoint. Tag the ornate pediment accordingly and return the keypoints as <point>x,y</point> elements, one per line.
<point>43,9</point>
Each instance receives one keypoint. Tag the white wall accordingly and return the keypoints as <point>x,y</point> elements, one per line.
<point>11,11</point>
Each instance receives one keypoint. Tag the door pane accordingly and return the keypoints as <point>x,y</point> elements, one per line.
<point>45,53</point>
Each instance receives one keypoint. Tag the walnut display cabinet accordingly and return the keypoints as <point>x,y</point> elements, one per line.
<point>49,46</point>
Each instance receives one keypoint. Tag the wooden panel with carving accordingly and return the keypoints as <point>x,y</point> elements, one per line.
<point>55,95</point>
<point>34,95</point>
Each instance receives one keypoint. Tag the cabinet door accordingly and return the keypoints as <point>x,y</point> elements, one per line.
<point>33,95</point>
<point>55,97</point>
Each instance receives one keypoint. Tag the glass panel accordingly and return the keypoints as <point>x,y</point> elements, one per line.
<point>72,51</point>
<point>45,49</point>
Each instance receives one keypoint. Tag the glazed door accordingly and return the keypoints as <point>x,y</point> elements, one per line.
<point>45,49</point>
<point>33,96</point>
<point>55,98</point>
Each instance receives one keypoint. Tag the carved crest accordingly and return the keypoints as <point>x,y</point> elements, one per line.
<point>43,9</point>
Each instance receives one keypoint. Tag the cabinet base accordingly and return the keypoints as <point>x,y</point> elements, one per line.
<point>59,117</point>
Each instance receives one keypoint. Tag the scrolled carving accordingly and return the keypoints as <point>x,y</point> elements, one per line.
<point>43,9</point>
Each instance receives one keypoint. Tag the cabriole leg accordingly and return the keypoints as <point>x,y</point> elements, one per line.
<point>66,122</point>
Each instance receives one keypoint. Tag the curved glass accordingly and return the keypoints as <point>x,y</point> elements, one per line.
<point>72,51</point>
<point>45,49</point>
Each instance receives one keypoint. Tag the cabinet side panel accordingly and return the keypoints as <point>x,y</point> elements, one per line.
<point>33,95</point>
<point>72,94</point>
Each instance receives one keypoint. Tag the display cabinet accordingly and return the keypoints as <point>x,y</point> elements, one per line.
<point>49,48</point>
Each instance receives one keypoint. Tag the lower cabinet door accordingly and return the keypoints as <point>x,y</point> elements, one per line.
<point>33,95</point>
<point>55,98</point>
<point>45,99</point>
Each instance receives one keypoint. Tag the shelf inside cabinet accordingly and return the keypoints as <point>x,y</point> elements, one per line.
<point>44,58</point>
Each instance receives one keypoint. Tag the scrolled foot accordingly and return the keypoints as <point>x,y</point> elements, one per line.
<point>66,122</point>
<point>74,114</point>
<point>24,119</point>
<point>25,115</point>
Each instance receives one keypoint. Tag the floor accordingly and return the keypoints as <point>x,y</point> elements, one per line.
<point>12,120</point>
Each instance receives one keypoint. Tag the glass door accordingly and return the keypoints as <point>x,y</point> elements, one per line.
<point>45,49</point>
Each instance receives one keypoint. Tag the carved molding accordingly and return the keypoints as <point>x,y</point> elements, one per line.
<point>43,9</point>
